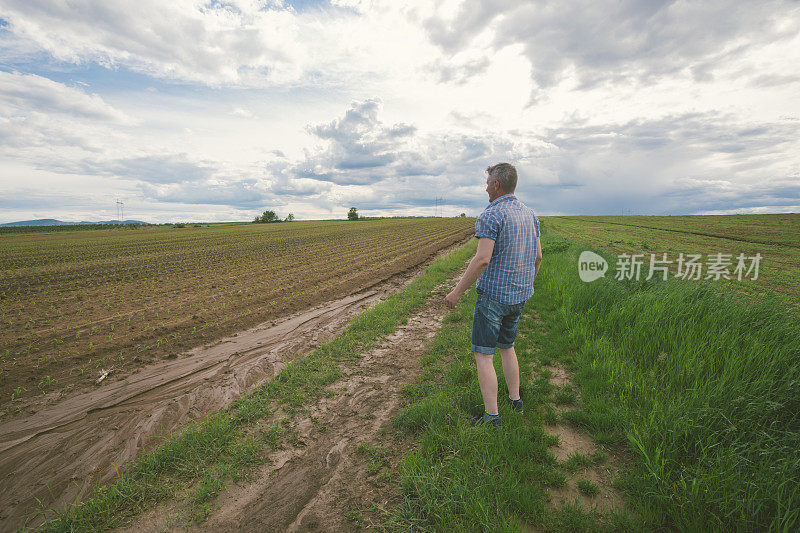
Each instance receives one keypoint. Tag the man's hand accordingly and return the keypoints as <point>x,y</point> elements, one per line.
<point>452,299</point>
<point>481,259</point>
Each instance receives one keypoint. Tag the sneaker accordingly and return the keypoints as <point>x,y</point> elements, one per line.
<point>516,405</point>
<point>484,418</point>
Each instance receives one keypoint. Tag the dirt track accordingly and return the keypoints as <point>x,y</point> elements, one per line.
<point>60,452</point>
<point>576,441</point>
<point>316,479</point>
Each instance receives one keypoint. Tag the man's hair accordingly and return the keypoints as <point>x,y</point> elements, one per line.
<point>506,174</point>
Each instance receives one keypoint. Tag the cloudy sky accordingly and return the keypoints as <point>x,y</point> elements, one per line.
<point>218,110</point>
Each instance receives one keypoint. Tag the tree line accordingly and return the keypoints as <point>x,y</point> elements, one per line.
<point>270,216</point>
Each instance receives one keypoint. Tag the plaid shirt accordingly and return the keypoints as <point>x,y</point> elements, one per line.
<point>514,228</point>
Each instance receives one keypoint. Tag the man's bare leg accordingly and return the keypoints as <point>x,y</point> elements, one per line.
<point>487,378</point>
<point>510,371</point>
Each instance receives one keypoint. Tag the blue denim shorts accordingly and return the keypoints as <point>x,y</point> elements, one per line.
<point>494,324</point>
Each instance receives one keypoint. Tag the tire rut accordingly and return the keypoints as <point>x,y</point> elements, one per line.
<point>56,456</point>
<point>573,441</point>
<point>310,483</point>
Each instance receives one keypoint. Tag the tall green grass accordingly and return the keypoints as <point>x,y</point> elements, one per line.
<point>465,478</point>
<point>695,390</point>
<point>485,478</point>
<point>704,388</point>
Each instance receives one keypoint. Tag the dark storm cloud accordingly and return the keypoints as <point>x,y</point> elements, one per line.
<point>395,166</point>
<point>689,196</point>
<point>643,165</point>
<point>690,133</point>
<point>690,163</point>
<point>684,163</point>
<point>625,40</point>
<point>361,150</point>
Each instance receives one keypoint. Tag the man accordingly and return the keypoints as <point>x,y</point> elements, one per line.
<point>507,259</point>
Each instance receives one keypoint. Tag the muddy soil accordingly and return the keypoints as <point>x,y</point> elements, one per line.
<point>319,481</point>
<point>147,305</point>
<point>59,453</point>
<point>573,441</point>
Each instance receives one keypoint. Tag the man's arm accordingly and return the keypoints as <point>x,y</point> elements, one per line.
<point>478,264</point>
<point>538,260</point>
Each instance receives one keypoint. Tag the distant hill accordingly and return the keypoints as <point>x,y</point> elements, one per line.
<point>54,222</point>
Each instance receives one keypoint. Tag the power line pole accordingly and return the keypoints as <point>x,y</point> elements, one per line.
<point>120,212</point>
<point>439,202</point>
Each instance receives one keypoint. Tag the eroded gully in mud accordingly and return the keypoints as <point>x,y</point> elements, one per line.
<point>311,482</point>
<point>57,455</point>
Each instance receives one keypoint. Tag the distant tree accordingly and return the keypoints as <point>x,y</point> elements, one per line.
<point>289,217</point>
<point>462,215</point>
<point>267,217</point>
<point>352,214</point>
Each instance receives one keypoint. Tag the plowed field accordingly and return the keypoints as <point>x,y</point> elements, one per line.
<point>75,304</point>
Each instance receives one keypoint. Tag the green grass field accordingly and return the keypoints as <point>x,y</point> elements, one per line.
<point>698,389</point>
<point>775,237</point>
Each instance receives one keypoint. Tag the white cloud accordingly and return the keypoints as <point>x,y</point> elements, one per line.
<point>242,105</point>
<point>612,42</point>
<point>241,112</point>
<point>182,39</point>
<point>46,124</point>
<point>23,93</point>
